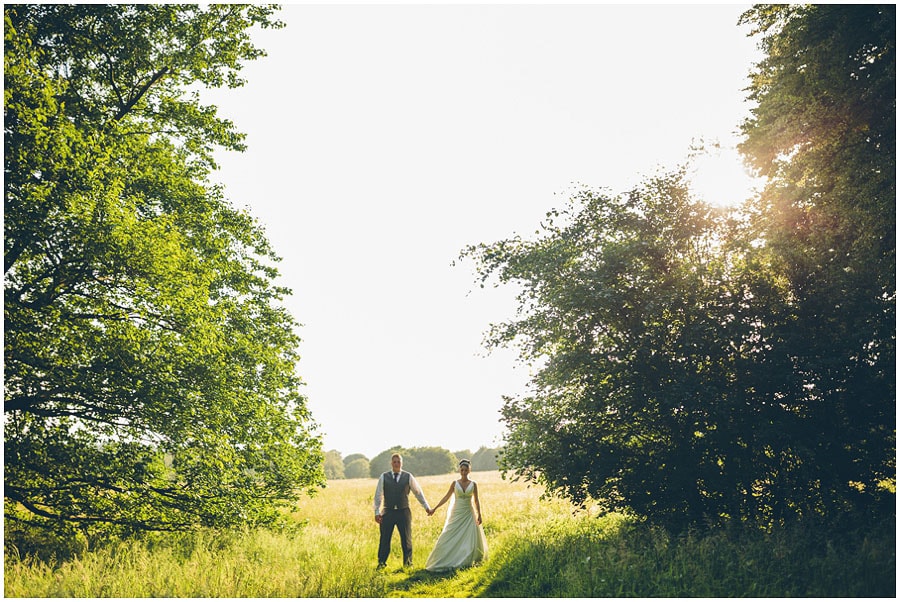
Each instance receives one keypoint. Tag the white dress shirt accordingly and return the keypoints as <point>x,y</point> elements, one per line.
<point>413,487</point>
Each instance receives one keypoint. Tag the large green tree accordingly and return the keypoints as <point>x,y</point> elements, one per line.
<point>637,318</point>
<point>702,368</point>
<point>823,131</point>
<point>149,364</point>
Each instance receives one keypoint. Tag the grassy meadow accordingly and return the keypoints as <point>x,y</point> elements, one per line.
<point>537,549</point>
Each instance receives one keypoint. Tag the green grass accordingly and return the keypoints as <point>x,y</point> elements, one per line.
<point>537,549</point>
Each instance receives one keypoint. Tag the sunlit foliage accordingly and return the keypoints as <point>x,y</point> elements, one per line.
<point>149,365</point>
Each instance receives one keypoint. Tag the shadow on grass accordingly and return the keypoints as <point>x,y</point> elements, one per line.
<point>465,582</point>
<point>533,569</point>
<point>415,582</point>
<point>586,560</point>
<point>599,558</point>
<point>423,576</point>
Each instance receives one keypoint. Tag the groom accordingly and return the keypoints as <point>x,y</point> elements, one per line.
<point>394,487</point>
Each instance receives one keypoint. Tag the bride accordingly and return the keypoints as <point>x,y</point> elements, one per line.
<point>462,542</point>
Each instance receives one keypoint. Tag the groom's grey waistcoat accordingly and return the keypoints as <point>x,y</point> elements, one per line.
<point>396,495</point>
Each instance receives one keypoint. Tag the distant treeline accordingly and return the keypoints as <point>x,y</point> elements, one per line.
<point>422,461</point>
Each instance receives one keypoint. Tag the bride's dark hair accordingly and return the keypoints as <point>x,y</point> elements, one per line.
<point>464,462</point>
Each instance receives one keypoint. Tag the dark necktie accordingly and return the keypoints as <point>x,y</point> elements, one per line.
<point>396,477</point>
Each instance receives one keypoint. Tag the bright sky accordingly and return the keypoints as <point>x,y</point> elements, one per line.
<point>384,139</point>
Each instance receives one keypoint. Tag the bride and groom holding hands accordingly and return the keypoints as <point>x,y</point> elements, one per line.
<point>460,544</point>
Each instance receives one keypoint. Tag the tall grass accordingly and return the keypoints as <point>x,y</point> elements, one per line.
<point>612,557</point>
<point>537,549</point>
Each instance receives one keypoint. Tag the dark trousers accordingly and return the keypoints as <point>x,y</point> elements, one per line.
<point>402,519</point>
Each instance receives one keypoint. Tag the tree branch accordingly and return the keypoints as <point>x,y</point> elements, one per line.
<point>125,109</point>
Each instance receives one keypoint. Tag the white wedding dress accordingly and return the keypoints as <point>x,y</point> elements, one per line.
<point>462,542</point>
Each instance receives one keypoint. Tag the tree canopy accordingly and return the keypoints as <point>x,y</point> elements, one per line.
<point>420,461</point>
<point>631,307</point>
<point>486,458</point>
<point>334,465</point>
<point>353,458</point>
<point>357,469</point>
<point>149,364</point>
<point>824,133</point>
<point>699,366</point>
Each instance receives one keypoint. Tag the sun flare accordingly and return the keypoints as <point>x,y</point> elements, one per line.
<point>720,178</point>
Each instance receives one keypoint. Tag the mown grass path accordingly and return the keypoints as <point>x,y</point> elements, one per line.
<point>536,549</point>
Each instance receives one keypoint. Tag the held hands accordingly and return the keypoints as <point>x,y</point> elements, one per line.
<point>378,518</point>
<point>430,512</point>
